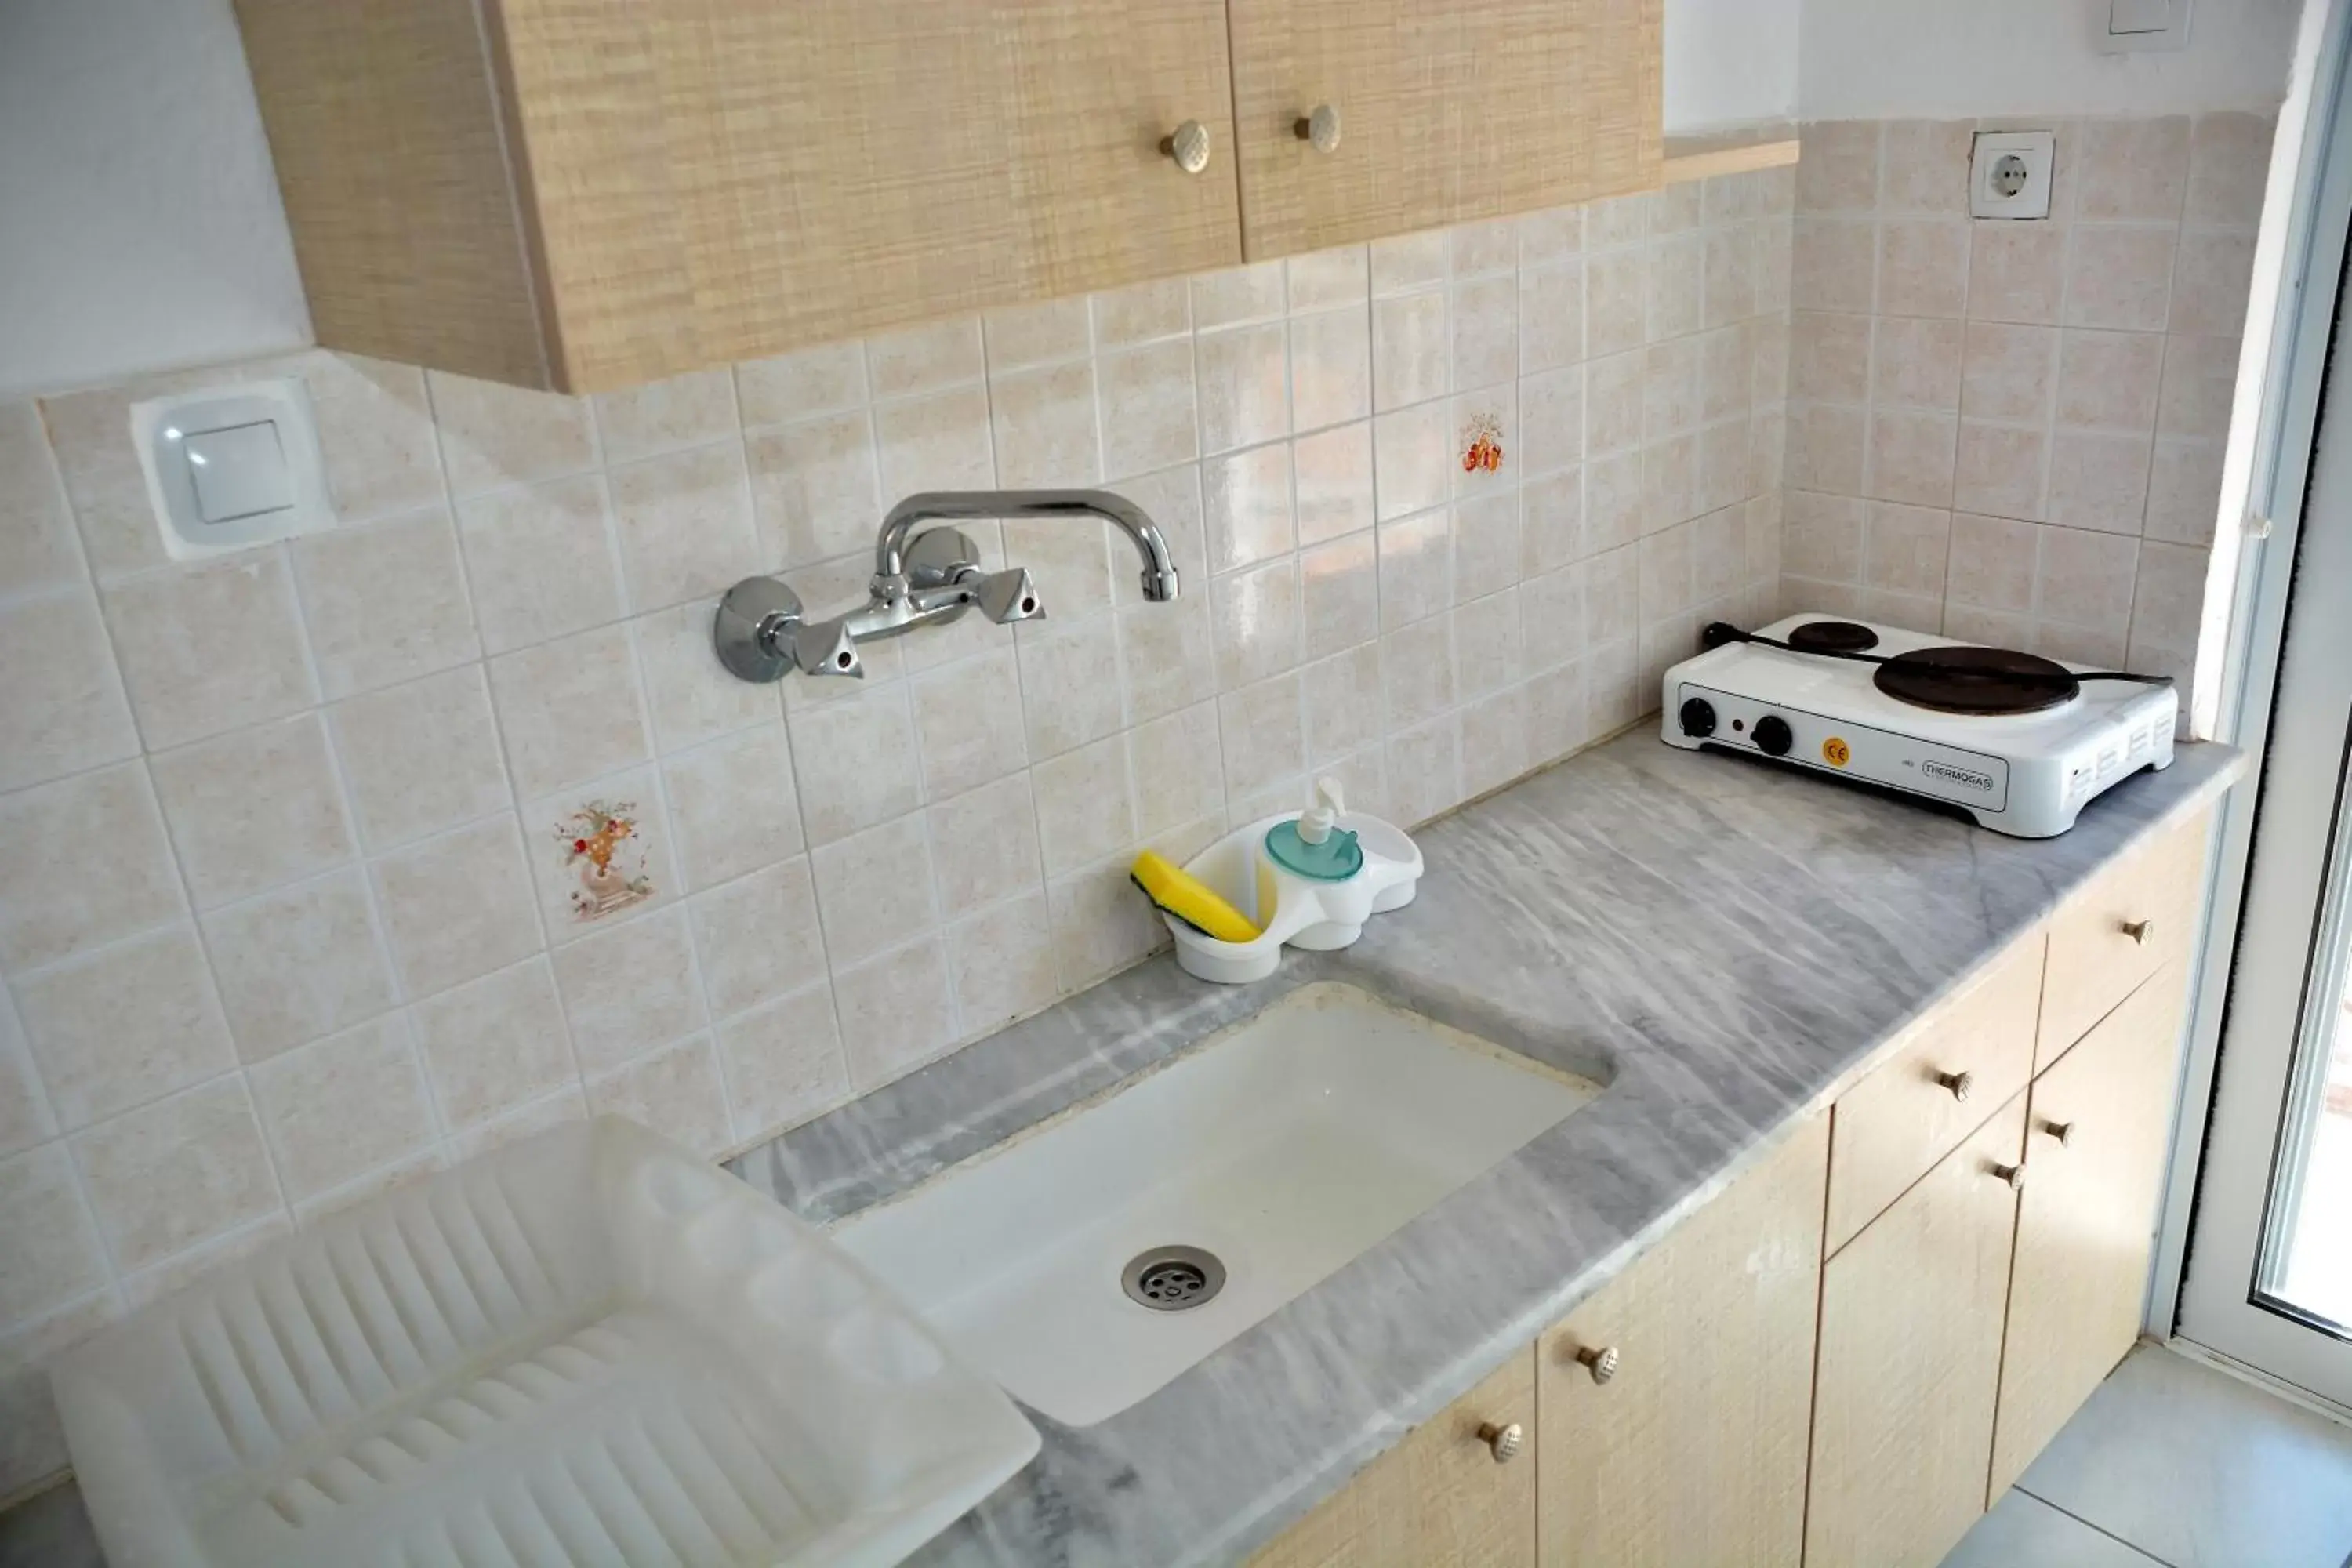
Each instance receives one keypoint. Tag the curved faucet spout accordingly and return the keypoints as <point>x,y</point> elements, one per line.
<point>908,517</point>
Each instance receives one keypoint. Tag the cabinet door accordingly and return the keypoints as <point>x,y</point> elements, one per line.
<point>1449,110</point>
<point>1693,1454</point>
<point>717,180</point>
<point>1438,1499</point>
<point>2100,1124</point>
<point>1910,1358</point>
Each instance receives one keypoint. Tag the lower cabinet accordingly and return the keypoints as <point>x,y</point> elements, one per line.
<point>1678,1440</point>
<point>2100,1122</point>
<point>1733,1400</point>
<point>1910,1361</point>
<point>1458,1492</point>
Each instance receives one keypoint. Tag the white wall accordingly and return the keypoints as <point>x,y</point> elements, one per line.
<point>1730,62</point>
<point>1870,59</point>
<point>139,227</point>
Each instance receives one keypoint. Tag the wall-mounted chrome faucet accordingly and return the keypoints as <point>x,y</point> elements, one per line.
<point>923,575</point>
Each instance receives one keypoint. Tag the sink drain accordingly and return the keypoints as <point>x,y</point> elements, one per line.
<point>1173,1278</point>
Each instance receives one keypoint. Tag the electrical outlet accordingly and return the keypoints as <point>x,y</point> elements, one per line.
<point>2009,173</point>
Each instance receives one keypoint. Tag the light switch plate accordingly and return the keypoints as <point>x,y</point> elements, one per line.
<point>232,467</point>
<point>2128,26</point>
<point>2010,172</point>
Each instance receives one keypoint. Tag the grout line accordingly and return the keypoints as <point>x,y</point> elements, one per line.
<point>2093,1525</point>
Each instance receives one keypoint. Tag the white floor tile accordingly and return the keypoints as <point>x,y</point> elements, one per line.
<point>2023,1531</point>
<point>2201,1471</point>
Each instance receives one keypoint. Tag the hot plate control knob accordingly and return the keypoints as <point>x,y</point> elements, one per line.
<point>1773,736</point>
<point>1699,718</point>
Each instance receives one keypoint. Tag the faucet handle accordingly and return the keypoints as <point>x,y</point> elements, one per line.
<point>826,648</point>
<point>1008,595</point>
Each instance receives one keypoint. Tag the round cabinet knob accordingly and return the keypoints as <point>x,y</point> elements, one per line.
<point>2140,932</point>
<point>1773,736</point>
<point>1321,129</point>
<point>1503,1442</point>
<point>1961,1084</point>
<point>2012,1175</point>
<point>1600,1361</point>
<point>1699,718</point>
<point>2061,1130</point>
<point>1187,144</point>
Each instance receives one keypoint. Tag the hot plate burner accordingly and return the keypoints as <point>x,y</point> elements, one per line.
<point>1832,637</point>
<point>1985,681</point>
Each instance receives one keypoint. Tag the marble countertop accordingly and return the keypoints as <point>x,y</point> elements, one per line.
<point>1727,944</point>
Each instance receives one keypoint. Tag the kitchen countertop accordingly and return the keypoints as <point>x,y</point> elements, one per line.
<point>1728,944</point>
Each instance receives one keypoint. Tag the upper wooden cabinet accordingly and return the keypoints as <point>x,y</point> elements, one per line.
<point>581,194</point>
<point>585,193</point>
<point>1448,111</point>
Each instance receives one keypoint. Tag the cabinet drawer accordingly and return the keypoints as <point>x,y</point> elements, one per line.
<point>2099,1125</point>
<point>2118,931</point>
<point>1962,1062</point>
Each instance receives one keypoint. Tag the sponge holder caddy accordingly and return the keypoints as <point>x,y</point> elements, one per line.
<point>1291,910</point>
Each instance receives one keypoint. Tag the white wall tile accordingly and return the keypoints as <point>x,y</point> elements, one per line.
<point>757,937</point>
<point>495,1044</point>
<point>62,706</point>
<point>734,804</point>
<point>298,964</point>
<point>627,988</point>
<point>986,844</point>
<point>421,757</point>
<point>125,1026</point>
<point>540,561</point>
<point>457,906</point>
<point>207,648</point>
<point>677,1091</point>
<point>37,548</point>
<point>177,1173</point>
<point>683,525</point>
<point>569,711</point>
<point>855,762</point>
<point>385,603</point>
<point>784,1064</point>
<point>253,810</point>
<point>664,415</point>
<point>347,1105</point>
<point>52,1251</point>
<point>493,434</point>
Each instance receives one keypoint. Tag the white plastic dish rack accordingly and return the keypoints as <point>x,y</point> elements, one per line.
<point>587,1347</point>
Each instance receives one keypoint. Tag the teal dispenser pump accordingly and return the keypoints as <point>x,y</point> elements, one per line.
<point>1313,846</point>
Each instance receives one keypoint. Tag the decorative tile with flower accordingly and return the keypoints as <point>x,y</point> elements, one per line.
<point>1482,444</point>
<point>603,850</point>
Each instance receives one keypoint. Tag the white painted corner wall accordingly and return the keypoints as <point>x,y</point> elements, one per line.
<point>1955,59</point>
<point>1730,62</point>
<point>139,225</point>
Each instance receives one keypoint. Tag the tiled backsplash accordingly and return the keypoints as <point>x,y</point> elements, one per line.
<point>326,863</point>
<point>2012,431</point>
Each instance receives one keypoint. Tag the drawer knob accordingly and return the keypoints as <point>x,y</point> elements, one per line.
<point>2061,1130</point>
<point>1961,1084</point>
<point>2014,1176</point>
<point>1503,1442</point>
<point>1601,1360</point>
<point>1187,144</point>
<point>2140,932</point>
<point>1319,129</point>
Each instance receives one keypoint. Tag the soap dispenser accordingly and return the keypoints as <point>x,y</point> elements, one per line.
<point>1313,844</point>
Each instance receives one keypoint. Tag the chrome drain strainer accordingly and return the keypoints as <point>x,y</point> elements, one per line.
<point>1173,1278</point>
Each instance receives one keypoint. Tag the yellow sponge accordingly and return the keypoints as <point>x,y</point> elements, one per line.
<point>1188,899</point>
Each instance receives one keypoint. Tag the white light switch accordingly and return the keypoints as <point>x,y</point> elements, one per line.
<point>2134,25</point>
<point>238,472</point>
<point>232,466</point>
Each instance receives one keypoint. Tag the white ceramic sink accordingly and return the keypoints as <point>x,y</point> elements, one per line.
<point>1283,1147</point>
